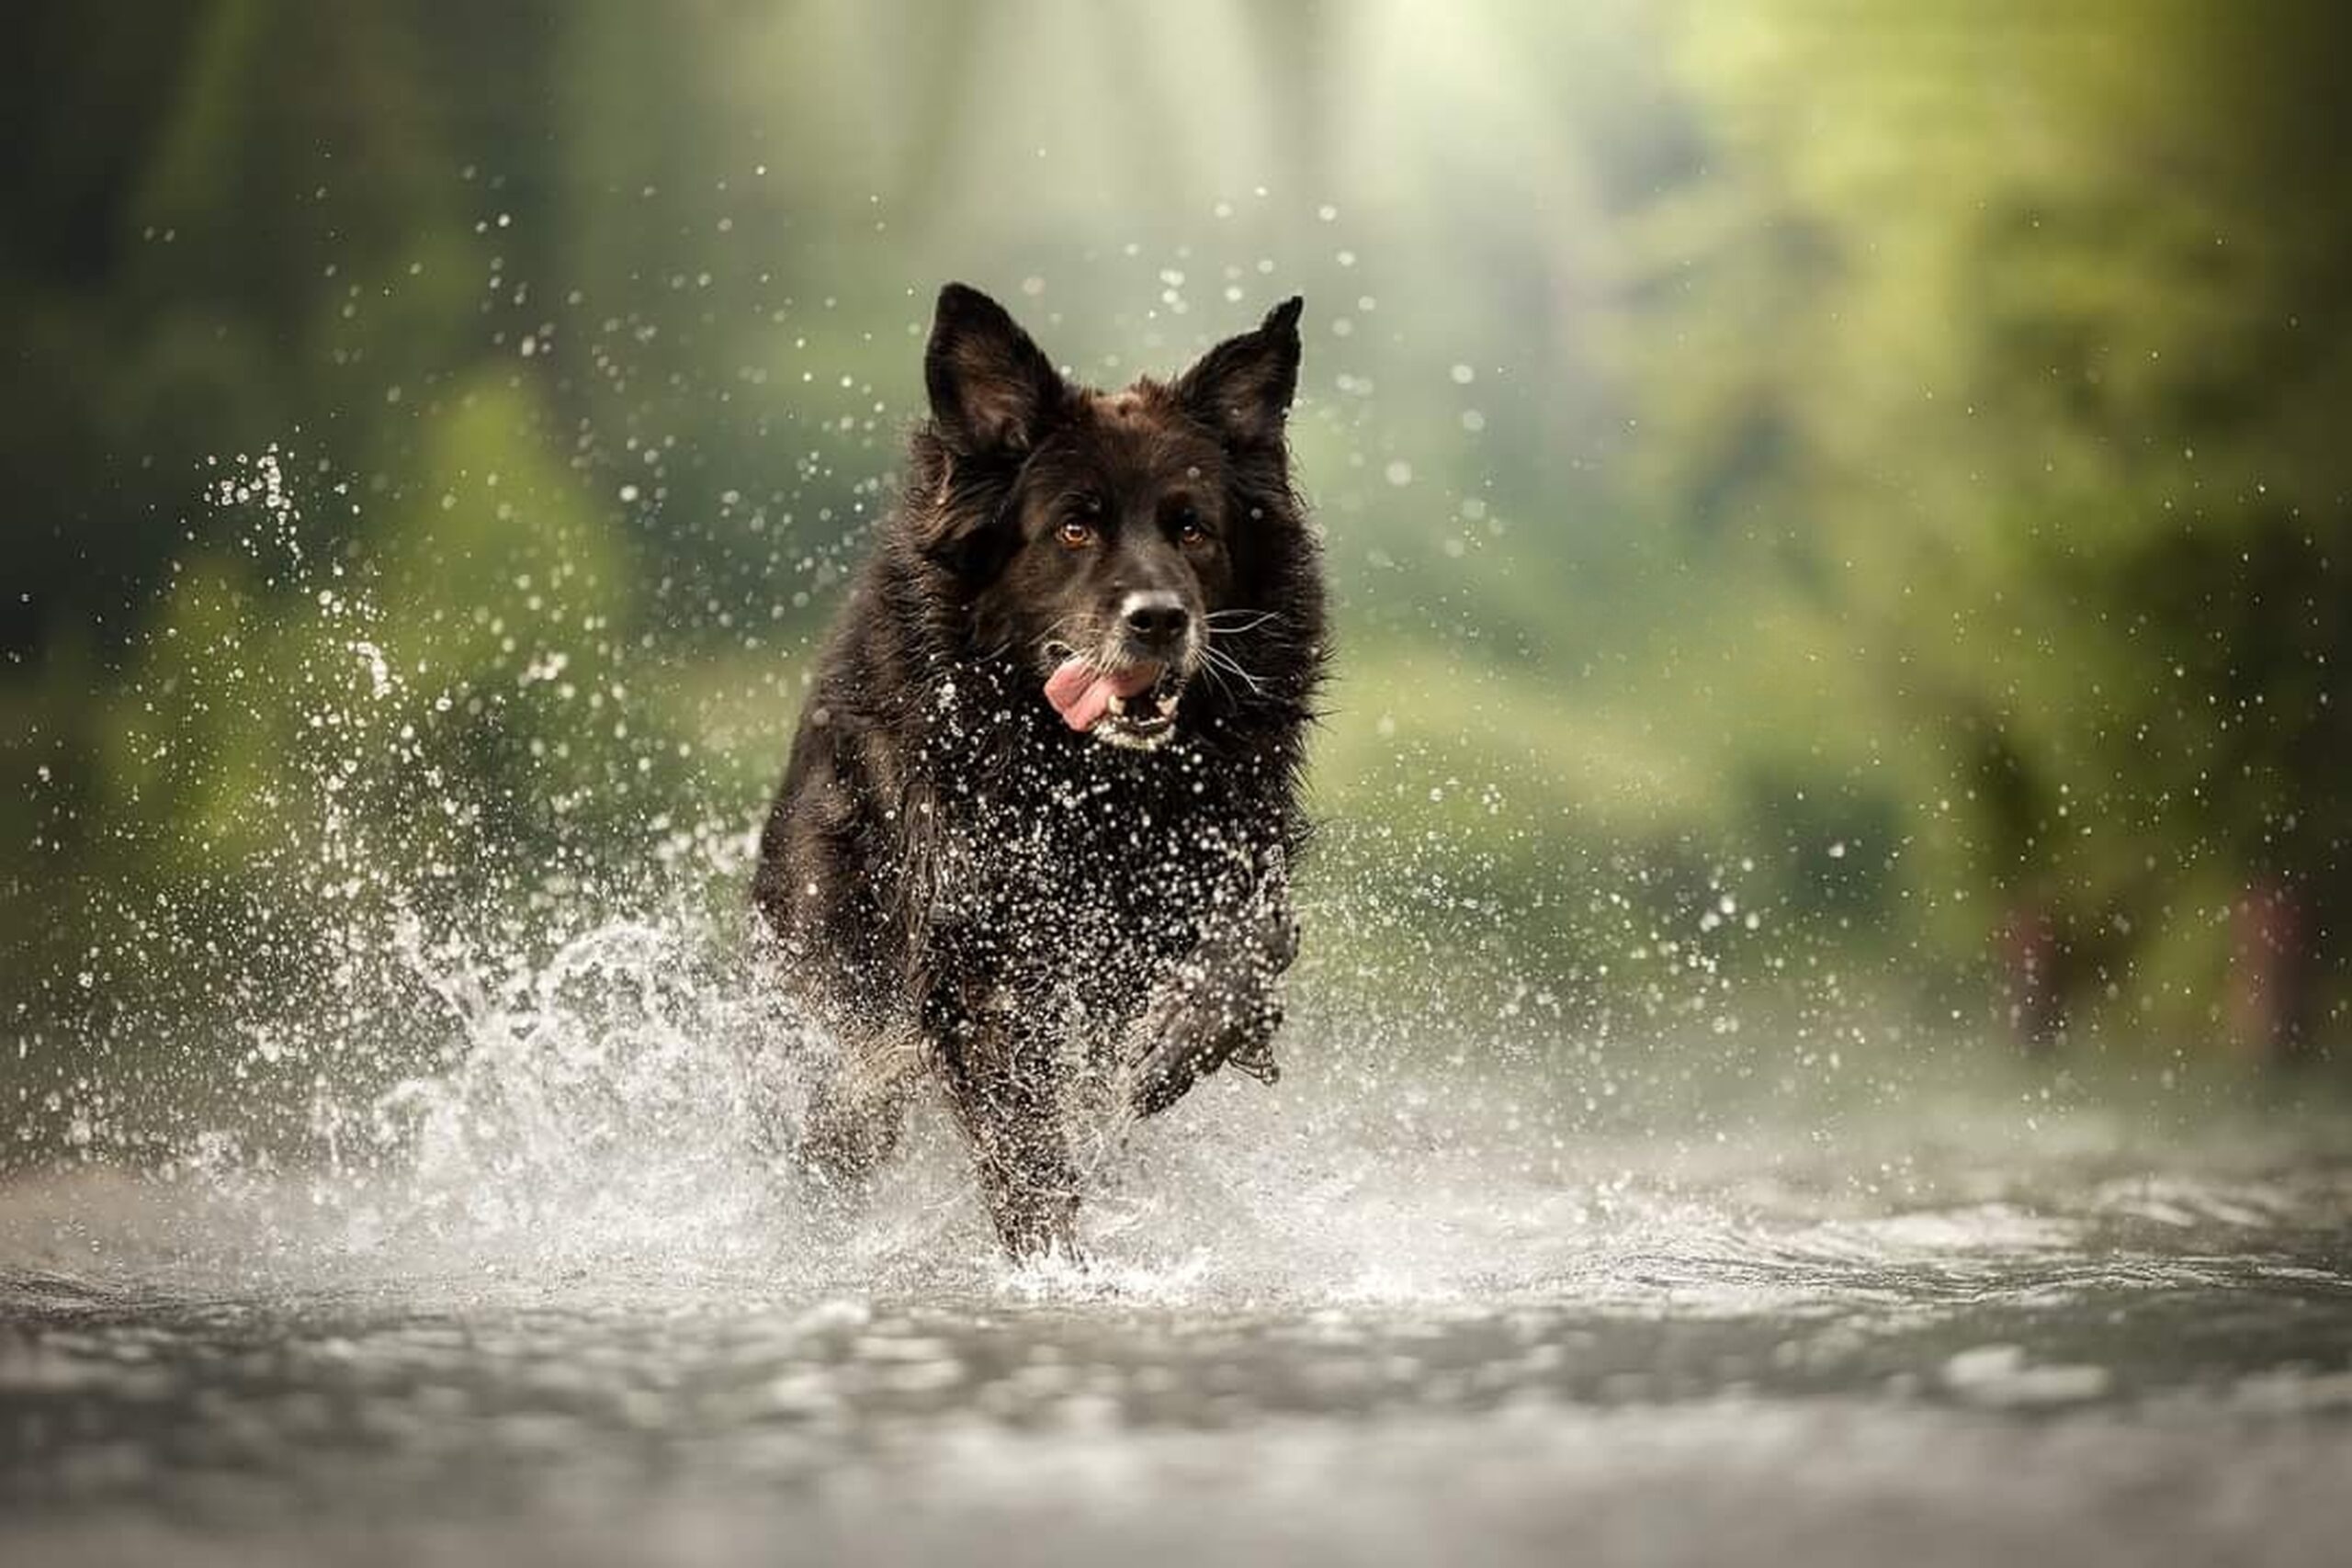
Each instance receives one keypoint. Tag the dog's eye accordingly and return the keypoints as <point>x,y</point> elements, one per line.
<point>1075,533</point>
<point>1188,527</point>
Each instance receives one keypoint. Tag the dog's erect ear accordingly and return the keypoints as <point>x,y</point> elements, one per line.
<point>991,390</point>
<point>1242,387</point>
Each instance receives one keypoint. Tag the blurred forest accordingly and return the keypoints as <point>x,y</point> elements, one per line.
<point>1843,497</point>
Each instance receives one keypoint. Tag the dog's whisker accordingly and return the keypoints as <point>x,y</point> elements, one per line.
<point>1219,659</point>
<point>1217,620</point>
<point>1220,673</point>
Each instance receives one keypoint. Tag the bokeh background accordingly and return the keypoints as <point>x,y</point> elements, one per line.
<point>1839,510</point>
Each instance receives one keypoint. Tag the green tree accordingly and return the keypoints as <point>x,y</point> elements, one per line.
<point>2001,339</point>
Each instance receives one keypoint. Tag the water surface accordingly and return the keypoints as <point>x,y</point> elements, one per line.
<point>1310,1331</point>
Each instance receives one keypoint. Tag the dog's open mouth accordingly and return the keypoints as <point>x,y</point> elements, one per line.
<point>1127,704</point>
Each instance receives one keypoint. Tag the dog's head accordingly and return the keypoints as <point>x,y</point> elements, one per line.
<point>1103,537</point>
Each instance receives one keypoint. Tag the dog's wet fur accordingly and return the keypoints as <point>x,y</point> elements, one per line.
<point>1034,842</point>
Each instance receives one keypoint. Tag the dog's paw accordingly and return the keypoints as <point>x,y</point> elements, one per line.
<point>1189,1033</point>
<point>1256,1059</point>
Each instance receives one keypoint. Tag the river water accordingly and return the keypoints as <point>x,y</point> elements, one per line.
<point>1319,1324</point>
<point>466,1247</point>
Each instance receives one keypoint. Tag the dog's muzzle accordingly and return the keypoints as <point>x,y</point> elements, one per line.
<point>1129,703</point>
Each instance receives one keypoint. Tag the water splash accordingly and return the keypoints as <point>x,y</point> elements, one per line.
<point>469,1042</point>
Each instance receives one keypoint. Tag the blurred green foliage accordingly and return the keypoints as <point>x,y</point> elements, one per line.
<point>1814,487</point>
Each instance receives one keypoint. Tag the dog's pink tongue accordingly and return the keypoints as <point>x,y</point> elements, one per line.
<point>1082,694</point>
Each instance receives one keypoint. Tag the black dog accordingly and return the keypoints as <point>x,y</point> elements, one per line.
<point>1034,841</point>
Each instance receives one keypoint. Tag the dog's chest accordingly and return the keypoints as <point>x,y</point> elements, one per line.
<point>1087,871</point>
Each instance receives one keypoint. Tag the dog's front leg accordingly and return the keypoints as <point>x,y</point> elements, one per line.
<point>1220,1005</point>
<point>1000,1080</point>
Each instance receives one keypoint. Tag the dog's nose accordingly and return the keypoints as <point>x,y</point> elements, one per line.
<point>1154,619</point>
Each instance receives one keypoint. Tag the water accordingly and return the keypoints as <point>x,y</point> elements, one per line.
<point>414,1235</point>
<point>1320,1324</point>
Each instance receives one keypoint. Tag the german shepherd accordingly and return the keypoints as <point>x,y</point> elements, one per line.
<point>1034,842</point>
